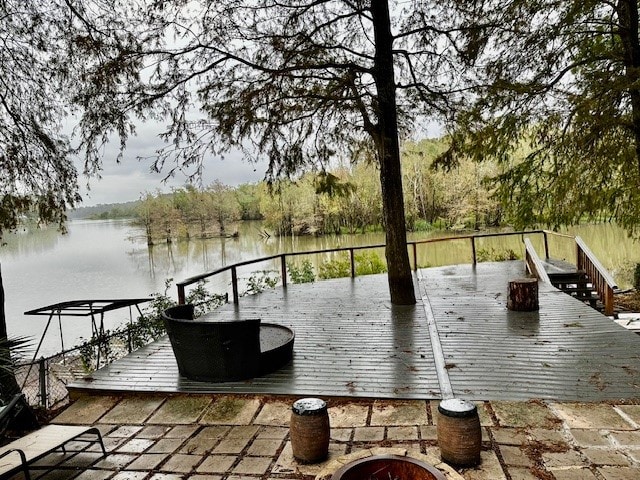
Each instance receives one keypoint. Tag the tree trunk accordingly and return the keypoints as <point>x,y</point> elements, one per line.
<point>628,19</point>
<point>388,149</point>
<point>8,384</point>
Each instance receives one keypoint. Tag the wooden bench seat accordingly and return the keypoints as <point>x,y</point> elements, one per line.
<point>19,454</point>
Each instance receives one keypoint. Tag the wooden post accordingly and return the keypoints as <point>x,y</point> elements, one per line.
<point>523,295</point>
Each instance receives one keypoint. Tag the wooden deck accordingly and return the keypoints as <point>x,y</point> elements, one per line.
<point>459,339</point>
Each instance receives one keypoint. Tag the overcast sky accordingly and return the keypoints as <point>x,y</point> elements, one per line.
<point>131,178</point>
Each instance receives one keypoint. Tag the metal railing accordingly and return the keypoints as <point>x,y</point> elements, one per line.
<point>472,239</point>
<point>601,279</point>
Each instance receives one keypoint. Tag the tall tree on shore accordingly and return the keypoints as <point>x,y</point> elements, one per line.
<point>298,81</point>
<point>37,175</point>
<point>560,108</point>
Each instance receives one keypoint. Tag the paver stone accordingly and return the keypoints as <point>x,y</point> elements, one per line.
<point>591,415</point>
<point>396,413</point>
<point>599,456</point>
<point>274,414</point>
<point>589,437</point>
<point>228,410</point>
<point>216,464</point>
<point>348,415</point>
<point>86,410</point>
<point>182,409</point>
<point>531,414</point>
<point>132,410</point>
<point>619,473</point>
<point>181,463</point>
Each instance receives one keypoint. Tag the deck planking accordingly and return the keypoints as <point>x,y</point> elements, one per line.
<point>565,351</point>
<point>351,342</point>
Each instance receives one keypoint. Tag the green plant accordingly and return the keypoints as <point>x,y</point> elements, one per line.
<point>336,268</point>
<point>491,255</point>
<point>369,263</point>
<point>260,281</point>
<point>302,274</point>
<point>421,225</point>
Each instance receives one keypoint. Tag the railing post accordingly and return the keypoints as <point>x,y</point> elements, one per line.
<point>42,378</point>
<point>234,284</point>
<point>353,263</point>
<point>546,245</point>
<point>608,302</point>
<point>129,339</point>
<point>181,295</point>
<point>415,256</point>
<point>473,249</point>
<point>579,265</point>
<point>283,269</point>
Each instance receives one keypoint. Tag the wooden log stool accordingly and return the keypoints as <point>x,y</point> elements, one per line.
<point>523,295</point>
<point>459,432</point>
<point>309,430</point>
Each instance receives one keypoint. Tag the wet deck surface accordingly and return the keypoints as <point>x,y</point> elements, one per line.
<point>351,342</point>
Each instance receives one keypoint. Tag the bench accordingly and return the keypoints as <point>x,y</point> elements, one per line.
<point>19,454</point>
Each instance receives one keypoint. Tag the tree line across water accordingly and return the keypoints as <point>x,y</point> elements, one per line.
<point>346,199</point>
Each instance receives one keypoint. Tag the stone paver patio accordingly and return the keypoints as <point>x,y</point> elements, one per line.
<point>224,437</point>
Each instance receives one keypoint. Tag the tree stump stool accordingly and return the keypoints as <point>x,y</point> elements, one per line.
<point>523,295</point>
<point>459,432</point>
<point>309,430</point>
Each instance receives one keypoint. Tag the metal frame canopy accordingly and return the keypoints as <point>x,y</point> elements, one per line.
<point>83,308</point>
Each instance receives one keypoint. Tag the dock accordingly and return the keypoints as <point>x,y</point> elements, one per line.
<point>458,339</point>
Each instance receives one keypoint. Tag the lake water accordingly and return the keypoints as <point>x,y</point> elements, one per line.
<point>110,259</point>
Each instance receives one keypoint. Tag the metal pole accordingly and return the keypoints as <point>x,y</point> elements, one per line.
<point>43,382</point>
<point>353,264</point>
<point>283,269</point>
<point>415,257</point>
<point>473,249</point>
<point>234,284</point>
<point>546,245</point>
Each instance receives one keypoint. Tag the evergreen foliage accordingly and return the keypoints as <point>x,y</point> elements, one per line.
<point>558,107</point>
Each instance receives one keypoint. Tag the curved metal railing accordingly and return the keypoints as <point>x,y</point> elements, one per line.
<point>472,239</point>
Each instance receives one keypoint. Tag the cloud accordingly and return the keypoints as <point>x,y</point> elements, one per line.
<point>129,179</point>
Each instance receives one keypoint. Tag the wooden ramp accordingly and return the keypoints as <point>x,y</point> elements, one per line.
<point>351,342</point>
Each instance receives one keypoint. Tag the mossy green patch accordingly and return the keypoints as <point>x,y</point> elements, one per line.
<point>225,409</point>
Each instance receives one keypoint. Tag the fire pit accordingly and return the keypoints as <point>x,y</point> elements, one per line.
<point>388,467</point>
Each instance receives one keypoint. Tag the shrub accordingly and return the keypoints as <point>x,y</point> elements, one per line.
<point>369,263</point>
<point>491,255</point>
<point>337,268</point>
<point>260,281</point>
<point>303,274</point>
<point>636,277</point>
